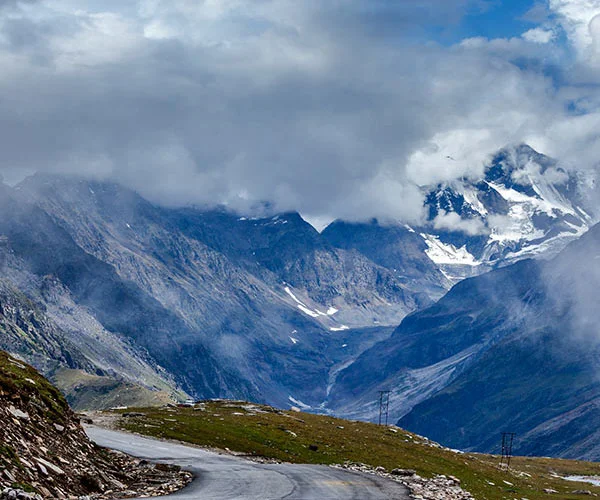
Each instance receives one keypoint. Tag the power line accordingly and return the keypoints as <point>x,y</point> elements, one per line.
<point>507,445</point>
<point>384,406</point>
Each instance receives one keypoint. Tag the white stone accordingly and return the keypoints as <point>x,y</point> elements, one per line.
<point>15,412</point>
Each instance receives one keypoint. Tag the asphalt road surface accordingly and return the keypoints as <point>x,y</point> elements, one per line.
<point>223,477</point>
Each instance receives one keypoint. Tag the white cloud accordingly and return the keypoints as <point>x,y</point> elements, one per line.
<point>532,170</point>
<point>313,106</point>
<point>453,222</point>
<point>577,17</point>
<point>539,35</point>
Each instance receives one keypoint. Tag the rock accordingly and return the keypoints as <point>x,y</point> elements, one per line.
<point>91,483</point>
<point>8,494</point>
<point>550,491</point>
<point>167,467</point>
<point>439,488</point>
<point>42,469</point>
<point>9,476</point>
<point>15,412</point>
<point>117,485</point>
<point>49,465</point>
<point>15,494</point>
<point>403,472</point>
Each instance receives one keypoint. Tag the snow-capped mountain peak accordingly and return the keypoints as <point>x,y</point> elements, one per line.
<point>524,206</point>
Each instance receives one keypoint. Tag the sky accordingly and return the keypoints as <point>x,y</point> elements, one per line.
<point>334,108</point>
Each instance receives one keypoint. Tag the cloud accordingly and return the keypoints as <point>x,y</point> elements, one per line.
<point>14,3</point>
<point>580,20</point>
<point>335,109</point>
<point>453,222</point>
<point>532,170</point>
<point>539,13</point>
<point>539,35</point>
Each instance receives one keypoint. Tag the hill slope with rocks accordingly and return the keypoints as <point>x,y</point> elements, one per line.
<point>45,451</point>
<point>45,322</point>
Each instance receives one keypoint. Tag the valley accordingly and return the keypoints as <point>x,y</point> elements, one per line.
<point>246,233</point>
<point>120,301</point>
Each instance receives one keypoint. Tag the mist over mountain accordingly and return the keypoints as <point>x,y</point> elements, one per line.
<point>270,299</point>
<point>213,303</point>
<point>525,205</point>
<point>334,110</point>
<point>512,350</point>
<point>48,285</point>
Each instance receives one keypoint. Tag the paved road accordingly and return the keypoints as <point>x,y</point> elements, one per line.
<point>223,477</point>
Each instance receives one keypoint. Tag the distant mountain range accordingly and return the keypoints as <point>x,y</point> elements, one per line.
<point>111,295</point>
<point>211,303</point>
<point>516,349</point>
<point>524,206</point>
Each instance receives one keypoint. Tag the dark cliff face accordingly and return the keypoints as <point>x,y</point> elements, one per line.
<point>397,248</point>
<point>523,346</point>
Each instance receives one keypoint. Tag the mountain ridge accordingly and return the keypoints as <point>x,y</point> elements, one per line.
<point>216,304</point>
<point>520,344</point>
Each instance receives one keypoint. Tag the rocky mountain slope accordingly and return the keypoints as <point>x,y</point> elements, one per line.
<point>204,301</point>
<point>45,322</point>
<point>28,332</point>
<point>143,242</point>
<point>513,350</point>
<point>264,309</point>
<point>44,450</point>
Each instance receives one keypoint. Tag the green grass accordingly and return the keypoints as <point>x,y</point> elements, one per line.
<point>85,391</point>
<point>224,424</point>
<point>8,453</point>
<point>21,381</point>
<point>24,486</point>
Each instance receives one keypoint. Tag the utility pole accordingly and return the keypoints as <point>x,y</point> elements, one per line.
<point>384,406</point>
<point>507,444</point>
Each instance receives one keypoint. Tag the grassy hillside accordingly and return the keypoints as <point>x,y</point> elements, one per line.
<point>306,438</point>
<point>21,382</point>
